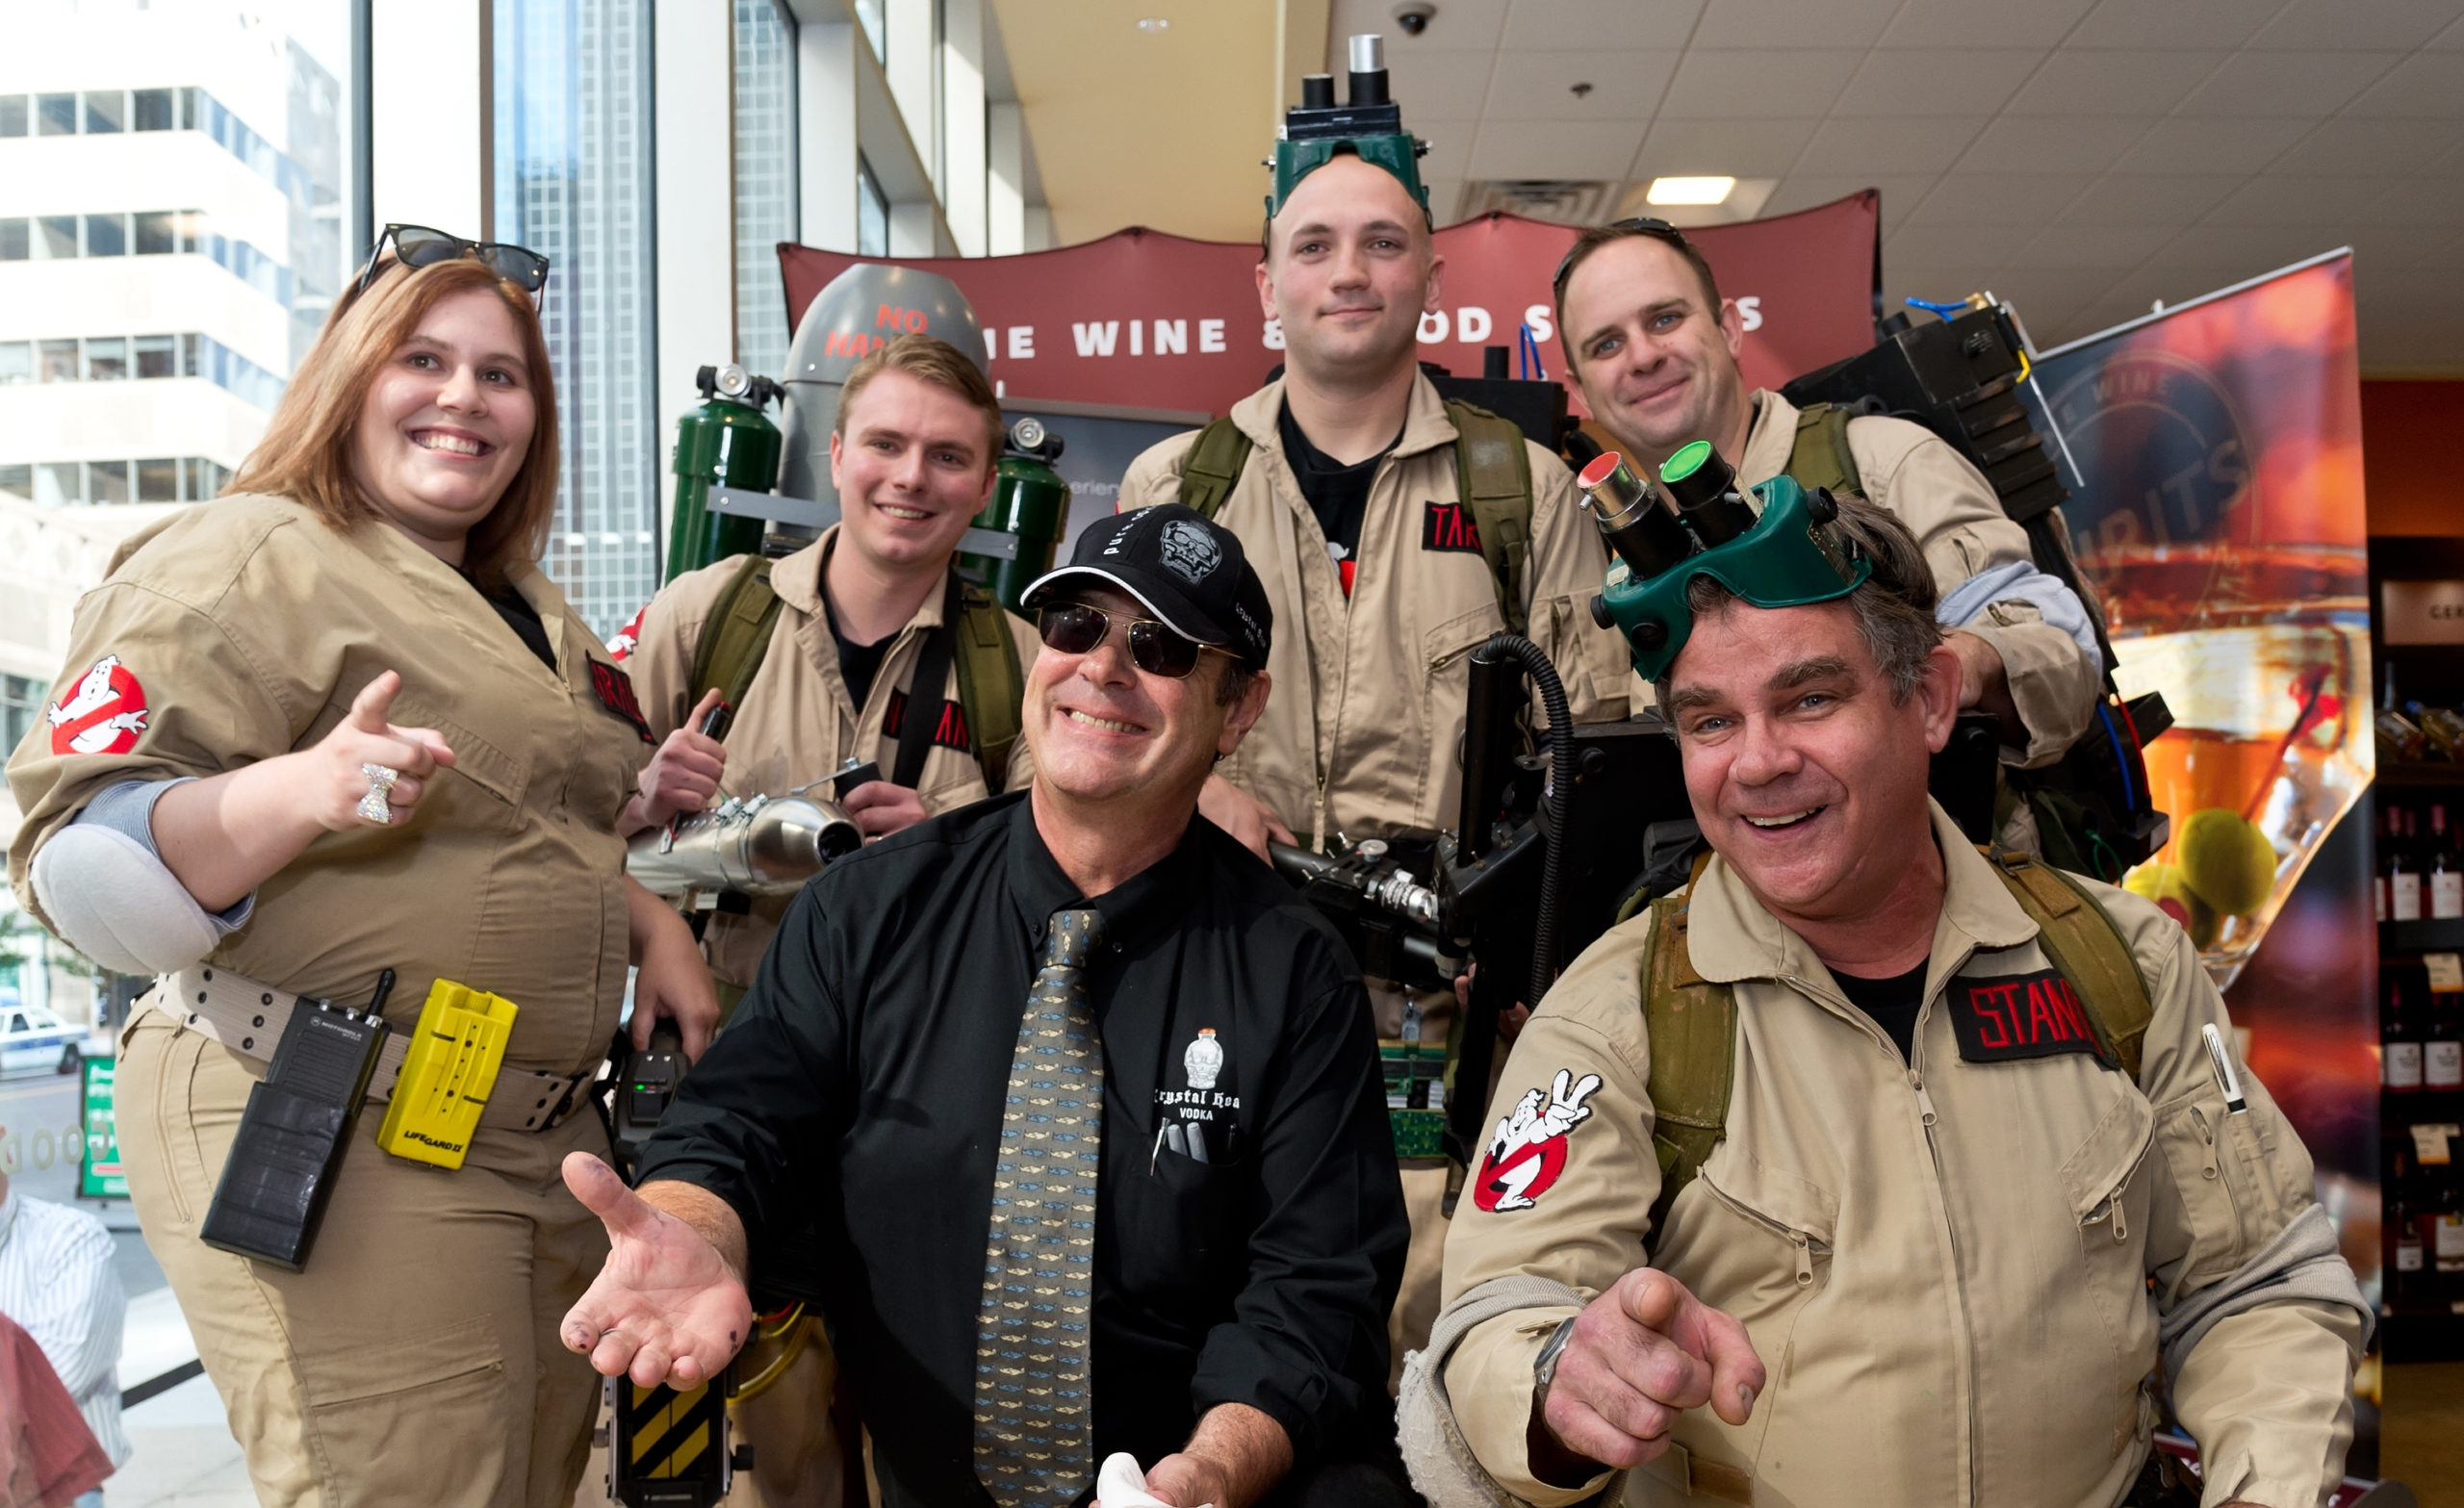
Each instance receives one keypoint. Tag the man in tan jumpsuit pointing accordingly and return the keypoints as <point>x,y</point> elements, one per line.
<point>1958,1149</point>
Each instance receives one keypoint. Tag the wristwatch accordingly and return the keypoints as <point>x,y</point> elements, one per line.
<point>1543,1367</point>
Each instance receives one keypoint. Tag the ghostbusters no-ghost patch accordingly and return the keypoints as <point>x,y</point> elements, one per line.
<point>1529,1150</point>
<point>2019,1015</point>
<point>615,692</point>
<point>629,638</point>
<point>103,715</point>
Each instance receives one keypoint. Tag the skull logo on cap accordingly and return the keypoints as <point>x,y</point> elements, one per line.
<point>1190,551</point>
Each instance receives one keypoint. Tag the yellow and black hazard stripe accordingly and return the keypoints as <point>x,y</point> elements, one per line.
<point>668,1446</point>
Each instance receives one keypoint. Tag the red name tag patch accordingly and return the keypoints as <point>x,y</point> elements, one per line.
<point>1450,526</point>
<point>615,692</point>
<point>2019,1015</point>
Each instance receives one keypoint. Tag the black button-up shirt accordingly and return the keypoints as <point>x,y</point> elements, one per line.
<point>863,1077</point>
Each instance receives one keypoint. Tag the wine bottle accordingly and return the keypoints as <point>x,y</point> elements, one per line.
<point>2408,1275</point>
<point>2403,877</point>
<point>2400,1037</point>
<point>2443,1044</point>
<point>2441,873</point>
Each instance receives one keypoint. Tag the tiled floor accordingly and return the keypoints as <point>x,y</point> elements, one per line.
<point>2422,1431</point>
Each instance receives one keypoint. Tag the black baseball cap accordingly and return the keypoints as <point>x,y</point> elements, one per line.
<point>1187,570</point>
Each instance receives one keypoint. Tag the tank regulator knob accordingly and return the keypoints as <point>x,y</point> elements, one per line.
<point>1027,433</point>
<point>734,382</point>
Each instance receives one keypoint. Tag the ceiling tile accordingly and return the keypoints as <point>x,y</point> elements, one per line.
<point>1554,149</point>
<point>1440,86</point>
<point>2225,254</point>
<point>2402,247</point>
<point>1888,145</point>
<point>2032,290</point>
<point>2316,26</point>
<point>1460,26</point>
<point>2209,145</point>
<point>2426,86</point>
<point>1964,81</point>
<point>1758,23</point>
<point>1739,148</point>
<point>1743,85</point>
<point>2286,200</point>
<point>2024,199</point>
<point>2315,83</point>
<point>2111,248</point>
<point>1966,23</point>
<point>1449,150</point>
<point>2371,148</point>
<point>2433,201</point>
<point>1952,246</point>
<point>1551,25</point>
<point>2133,200</point>
<point>2079,82</point>
<point>2450,40</point>
<point>1937,281</point>
<point>2173,23</point>
<point>1539,85</point>
<point>1804,191</point>
<point>2073,145</point>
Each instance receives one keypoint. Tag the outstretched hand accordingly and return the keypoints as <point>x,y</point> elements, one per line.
<point>668,1307</point>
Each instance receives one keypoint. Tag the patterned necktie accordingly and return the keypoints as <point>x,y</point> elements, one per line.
<point>1034,1413</point>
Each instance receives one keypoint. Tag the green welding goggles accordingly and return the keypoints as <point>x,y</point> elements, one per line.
<point>1370,126</point>
<point>1790,555</point>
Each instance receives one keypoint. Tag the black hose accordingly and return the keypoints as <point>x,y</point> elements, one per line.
<point>1561,773</point>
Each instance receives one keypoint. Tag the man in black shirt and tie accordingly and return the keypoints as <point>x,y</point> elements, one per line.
<point>1088,1097</point>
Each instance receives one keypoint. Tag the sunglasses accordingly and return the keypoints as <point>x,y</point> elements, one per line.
<point>418,245</point>
<point>1640,225</point>
<point>1075,628</point>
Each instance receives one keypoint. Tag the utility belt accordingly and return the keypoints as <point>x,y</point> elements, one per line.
<point>248,1018</point>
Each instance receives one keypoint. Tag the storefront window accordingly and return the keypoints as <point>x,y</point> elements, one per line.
<point>765,179</point>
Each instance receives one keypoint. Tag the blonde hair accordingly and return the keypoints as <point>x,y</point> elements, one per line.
<point>927,359</point>
<point>306,453</point>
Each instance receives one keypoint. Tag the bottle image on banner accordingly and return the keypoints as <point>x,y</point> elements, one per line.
<point>2442,869</point>
<point>2401,1050</point>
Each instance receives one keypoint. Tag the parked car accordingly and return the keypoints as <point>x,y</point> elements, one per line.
<point>33,1038</point>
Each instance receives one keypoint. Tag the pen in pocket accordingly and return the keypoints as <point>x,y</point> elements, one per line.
<point>2220,1064</point>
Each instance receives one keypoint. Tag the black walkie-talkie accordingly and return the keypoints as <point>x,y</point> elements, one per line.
<point>292,1136</point>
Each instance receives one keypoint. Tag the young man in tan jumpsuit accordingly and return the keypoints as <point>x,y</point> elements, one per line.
<point>1655,348</point>
<point>1361,737</point>
<point>1937,1250</point>
<point>920,431</point>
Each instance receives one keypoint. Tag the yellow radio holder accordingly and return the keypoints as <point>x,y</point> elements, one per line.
<point>455,1052</point>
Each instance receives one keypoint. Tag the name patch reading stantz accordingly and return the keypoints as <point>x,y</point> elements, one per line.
<point>2019,1015</point>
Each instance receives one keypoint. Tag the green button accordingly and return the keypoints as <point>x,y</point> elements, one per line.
<point>1685,462</point>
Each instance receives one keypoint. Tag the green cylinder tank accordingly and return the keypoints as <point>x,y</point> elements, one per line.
<point>1031,503</point>
<point>727,442</point>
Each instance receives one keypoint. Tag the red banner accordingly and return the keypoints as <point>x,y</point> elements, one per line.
<point>1150,320</point>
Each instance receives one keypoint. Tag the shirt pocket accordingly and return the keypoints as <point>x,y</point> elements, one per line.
<point>2109,1183</point>
<point>1180,1239</point>
<point>1446,654</point>
<point>1771,1274</point>
<point>2236,1187</point>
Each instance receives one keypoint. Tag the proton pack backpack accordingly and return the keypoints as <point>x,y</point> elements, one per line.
<point>1692,1022</point>
<point>975,635</point>
<point>1492,478</point>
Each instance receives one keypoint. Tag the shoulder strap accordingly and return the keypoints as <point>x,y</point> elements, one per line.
<point>1212,467</point>
<point>925,701</point>
<point>993,694</point>
<point>1692,1024</point>
<point>2089,949</point>
<point>1819,456</point>
<point>737,635</point>
<point>1493,479</point>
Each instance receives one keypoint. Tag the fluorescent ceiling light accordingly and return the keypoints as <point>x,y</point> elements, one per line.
<point>1690,191</point>
<point>1151,24</point>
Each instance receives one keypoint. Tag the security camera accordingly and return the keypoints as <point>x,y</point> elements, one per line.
<point>1414,16</point>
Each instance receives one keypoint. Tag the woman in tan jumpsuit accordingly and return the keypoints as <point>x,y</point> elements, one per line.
<point>363,731</point>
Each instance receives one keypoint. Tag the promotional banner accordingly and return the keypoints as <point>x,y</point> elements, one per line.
<point>1145,320</point>
<point>2215,456</point>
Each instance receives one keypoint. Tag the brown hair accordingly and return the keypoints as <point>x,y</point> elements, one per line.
<point>929,359</point>
<point>1596,236</point>
<point>305,454</point>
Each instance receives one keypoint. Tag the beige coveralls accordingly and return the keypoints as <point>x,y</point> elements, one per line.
<point>798,724</point>
<point>1945,1265</point>
<point>415,1361</point>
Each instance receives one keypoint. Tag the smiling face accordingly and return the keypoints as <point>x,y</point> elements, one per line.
<point>1350,270</point>
<point>1103,729</point>
<point>1805,774</point>
<point>447,423</point>
<point>912,465</point>
<point>1657,363</point>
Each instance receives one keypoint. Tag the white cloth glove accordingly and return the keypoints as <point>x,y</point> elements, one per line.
<point>1121,1483</point>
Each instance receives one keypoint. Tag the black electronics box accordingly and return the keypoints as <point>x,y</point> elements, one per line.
<point>292,1136</point>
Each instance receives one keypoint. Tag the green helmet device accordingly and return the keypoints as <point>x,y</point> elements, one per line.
<point>1792,556</point>
<point>1371,125</point>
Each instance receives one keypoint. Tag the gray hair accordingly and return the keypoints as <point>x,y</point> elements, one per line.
<point>1894,607</point>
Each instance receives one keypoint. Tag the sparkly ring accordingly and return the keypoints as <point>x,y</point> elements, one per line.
<point>375,807</point>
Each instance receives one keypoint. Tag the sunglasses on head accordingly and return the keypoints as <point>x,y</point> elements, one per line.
<point>1075,628</point>
<point>419,246</point>
<point>1640,225</point>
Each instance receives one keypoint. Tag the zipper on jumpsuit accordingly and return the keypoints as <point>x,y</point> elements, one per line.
<point>1933,1147</point>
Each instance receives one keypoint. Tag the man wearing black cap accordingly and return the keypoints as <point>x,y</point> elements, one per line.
<point>1090,1096</point>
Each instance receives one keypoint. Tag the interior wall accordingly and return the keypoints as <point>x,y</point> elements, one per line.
<point>2410,463</point>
